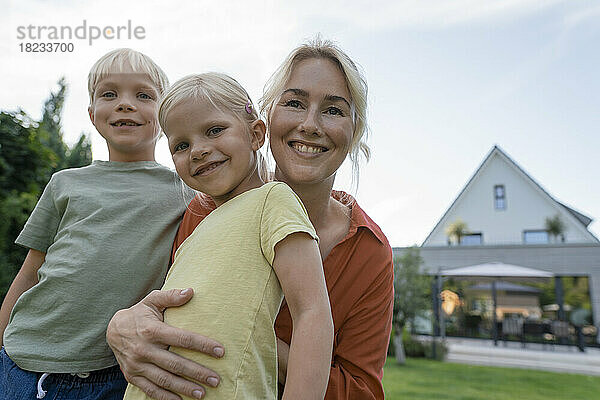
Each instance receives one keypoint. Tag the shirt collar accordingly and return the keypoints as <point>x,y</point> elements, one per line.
<point>358,218</point>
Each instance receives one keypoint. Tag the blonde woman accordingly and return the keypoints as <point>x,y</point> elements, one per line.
<point>315,108</point>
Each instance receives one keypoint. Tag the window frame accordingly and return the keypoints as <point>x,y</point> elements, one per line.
<point>480,234</point>
<point>526,231</point>
<point>498,198</point>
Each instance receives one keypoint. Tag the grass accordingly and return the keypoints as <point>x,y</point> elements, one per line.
<point>422,379</point>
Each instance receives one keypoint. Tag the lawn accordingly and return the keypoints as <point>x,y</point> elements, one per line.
<point>422,379</point>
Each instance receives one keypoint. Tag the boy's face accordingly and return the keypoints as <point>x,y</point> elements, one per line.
<point>124,112</point>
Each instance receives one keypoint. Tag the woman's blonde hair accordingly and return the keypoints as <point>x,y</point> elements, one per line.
<point>357,86</point>
<point>120,60</point>
<point>222,92</point>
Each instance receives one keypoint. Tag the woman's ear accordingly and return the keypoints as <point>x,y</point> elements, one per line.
<point>259,130</point>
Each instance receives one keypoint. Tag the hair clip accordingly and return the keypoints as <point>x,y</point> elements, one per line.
<point>249,107</point>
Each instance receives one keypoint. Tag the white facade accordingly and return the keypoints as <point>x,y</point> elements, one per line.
<point>501,202</point>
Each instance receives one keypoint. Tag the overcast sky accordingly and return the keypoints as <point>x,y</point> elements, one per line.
<point>447,81</point>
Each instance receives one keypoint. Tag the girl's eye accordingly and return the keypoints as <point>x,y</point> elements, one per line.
<point>334,111</point>
<point>145,96</point>
<point>108,94</point>
<point>292,103</point>
<point>215,131</point>
<point>181,147</point>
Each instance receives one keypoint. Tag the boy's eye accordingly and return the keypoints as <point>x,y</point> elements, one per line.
<point>180,147</point>
<point>334,111</point>
<point>108,94</point>
<point>145,96</point>
<point>214,131</point>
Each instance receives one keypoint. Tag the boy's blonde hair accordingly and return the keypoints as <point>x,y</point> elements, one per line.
<point>357,86</point>
<point>119,60</point>
<point>222,92</point>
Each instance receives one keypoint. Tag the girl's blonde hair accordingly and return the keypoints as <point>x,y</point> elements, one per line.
<point>357,86</point>
<point>121,60</point>
<point>222,92</point>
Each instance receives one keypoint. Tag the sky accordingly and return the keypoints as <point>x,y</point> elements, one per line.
<point>448,80</point>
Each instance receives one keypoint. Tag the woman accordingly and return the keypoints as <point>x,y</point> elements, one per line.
<point>315,106</point>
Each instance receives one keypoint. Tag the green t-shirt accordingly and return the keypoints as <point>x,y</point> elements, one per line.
<point>227,260</point>
<point>107,230</point>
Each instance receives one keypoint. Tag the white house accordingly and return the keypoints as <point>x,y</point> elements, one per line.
<point>505,213</point>
<point>502,204</point>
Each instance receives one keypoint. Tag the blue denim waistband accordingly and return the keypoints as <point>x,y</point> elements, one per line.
<point>99,376</point>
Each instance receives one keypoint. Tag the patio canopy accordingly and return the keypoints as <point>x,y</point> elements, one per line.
<point>496,270</point>
<point>491,272</point>
<point>506,287</point>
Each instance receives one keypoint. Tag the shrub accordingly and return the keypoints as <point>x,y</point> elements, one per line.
<point>441,350</point>
<point>413,348</point>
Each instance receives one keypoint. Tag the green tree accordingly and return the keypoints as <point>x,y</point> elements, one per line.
<point>456,230</point>
<point>50,127</point>
<point>410,293</point>
<point>555,227</point>
<point>30,152</point>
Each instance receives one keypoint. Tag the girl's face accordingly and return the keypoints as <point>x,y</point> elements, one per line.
<point>311,124</point>
<point>213,151</point>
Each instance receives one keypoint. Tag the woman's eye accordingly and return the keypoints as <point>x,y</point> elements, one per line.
<point>180,147</point>
<point>145,96</point>
<point>215,131</point>
<point>334,111</point>
<point>292,103</point>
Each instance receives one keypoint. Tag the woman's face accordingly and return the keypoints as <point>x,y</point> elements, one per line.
<point>311,124</point>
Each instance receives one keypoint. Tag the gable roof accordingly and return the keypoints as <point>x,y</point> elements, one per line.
<point>496,150</point>
<point>582,218</point>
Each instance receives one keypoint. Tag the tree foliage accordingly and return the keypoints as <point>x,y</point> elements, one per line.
<point>30,152</point>
<point>410,288</point>
<point>555,226</point>
<point>456,230</point>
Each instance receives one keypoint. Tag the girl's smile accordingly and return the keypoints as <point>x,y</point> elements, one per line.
<point>213,151</point>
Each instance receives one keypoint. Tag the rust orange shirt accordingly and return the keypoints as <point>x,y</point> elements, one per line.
<point>360,282</point>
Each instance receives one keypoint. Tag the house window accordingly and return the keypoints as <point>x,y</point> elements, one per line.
<point>499,197</point>
<point>535,237</point>
<point>472,239</point>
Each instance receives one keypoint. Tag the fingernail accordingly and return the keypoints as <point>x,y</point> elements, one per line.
<point>197,394</point>
<point>184,292</point>
<point>212,381</point>
<point>218,351</point>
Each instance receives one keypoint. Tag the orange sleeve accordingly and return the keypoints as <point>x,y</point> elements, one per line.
<point>362,342</point>
<point>195,212</point>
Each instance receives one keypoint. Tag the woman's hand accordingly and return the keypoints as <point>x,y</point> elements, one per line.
<point>140,340</point>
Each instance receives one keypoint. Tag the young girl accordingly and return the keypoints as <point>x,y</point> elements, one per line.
<point>257,242</point>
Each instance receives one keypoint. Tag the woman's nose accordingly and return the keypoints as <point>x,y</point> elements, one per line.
<point>310,124</point>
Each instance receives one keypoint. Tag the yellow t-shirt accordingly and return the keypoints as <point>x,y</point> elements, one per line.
<point>227,260</point>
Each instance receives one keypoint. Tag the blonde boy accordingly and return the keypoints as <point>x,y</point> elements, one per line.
<point>98,239</point>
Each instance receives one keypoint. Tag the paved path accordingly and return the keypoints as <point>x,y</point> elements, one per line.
<point>556,358</point>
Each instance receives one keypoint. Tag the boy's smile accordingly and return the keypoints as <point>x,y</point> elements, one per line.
<point>124,111</point>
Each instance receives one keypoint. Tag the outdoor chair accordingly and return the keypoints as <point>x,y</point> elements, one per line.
<point>560,331</point>
<point>514,327</point>
<point>537,331</point>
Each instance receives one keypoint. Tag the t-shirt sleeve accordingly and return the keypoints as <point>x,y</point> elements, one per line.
<point>41,227</point>
<point>283,214</point>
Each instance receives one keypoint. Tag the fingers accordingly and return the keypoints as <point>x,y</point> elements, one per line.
<point>179,367</point>
<point>160,300</point>
<point>152,390</point>
<point>171,336</point>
